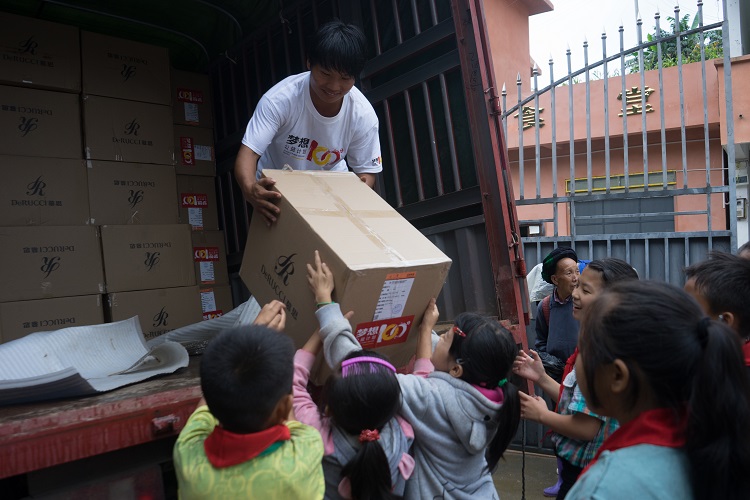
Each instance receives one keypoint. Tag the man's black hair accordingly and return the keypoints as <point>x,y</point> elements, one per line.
<point>340,47</point>
<point>244,374</point>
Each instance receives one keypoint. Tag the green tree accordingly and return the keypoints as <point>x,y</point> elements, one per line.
<point>690,45</point>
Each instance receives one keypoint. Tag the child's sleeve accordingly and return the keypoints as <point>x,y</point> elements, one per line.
<point>336,332</point>
<point>578,404</point>
<point>305,409</point>
<point>418,396</point>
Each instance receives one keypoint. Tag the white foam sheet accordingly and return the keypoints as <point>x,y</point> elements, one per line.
<point>82,360</point>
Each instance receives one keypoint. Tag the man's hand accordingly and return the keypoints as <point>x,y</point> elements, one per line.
<point>272,315</point>
<point>257,193</point>
<point>320,279</point>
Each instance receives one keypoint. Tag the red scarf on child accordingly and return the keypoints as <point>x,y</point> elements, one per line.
<point>225,449</point>
<point>659,427</point>
<point>746,352</point>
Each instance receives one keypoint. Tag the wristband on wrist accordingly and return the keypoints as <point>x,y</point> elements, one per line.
<point>321,304</point>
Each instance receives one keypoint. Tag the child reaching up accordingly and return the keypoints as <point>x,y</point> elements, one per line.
<point>576,431</point>
<point>366,444</point>
<point>463,409</point>
<point>240,441</point>
<point>675,380</point>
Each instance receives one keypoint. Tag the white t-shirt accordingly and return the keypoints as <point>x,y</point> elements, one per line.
<point>286,129</point>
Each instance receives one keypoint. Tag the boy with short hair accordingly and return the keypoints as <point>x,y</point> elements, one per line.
<point>242,444</point>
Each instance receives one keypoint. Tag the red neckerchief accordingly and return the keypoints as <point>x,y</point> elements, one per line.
<point>746,352</point>
<point>225,449</point>
<point>658,427</point>
<point>569,365</point>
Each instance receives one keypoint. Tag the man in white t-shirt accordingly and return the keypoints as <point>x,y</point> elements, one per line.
<point>312,121</point>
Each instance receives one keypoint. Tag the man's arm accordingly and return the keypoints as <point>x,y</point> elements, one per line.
<point>257,193</point>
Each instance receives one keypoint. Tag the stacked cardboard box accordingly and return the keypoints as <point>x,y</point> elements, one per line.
<point>129,145</point>
<point>195,163</point>
<point>50,259</point>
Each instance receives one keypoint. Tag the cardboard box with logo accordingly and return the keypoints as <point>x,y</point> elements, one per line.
<point>191,99</point>
<point>39,54</point>
<point>132,193</point>
<point>40,123</point>
<point>125,69</point>
<point>210,256</point>
<point>197,202</point>
<point>216,301</point>
<point>48,262</point>
<point>18,319</point>
<point>43,192</point>
<point>119,130</point>
<point>194,150</point>
<point>145,257</point>
<point>384,269</point>
<point>159,311</point>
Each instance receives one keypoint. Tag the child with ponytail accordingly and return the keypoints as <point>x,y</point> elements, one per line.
<point>462,407</point>
<point>366,444</point>
<point>675,381</point>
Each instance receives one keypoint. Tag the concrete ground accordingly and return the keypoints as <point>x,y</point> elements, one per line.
<point>539,472</point>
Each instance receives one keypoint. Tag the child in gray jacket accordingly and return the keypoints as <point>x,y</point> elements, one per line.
<point>458,400</point>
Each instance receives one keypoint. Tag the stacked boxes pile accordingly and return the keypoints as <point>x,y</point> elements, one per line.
<point>89,230</point>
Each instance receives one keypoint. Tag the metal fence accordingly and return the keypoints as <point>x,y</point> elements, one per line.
<point>626,176</point>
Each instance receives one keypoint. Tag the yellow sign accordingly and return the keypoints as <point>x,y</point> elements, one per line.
<point>633,100</point>
<point>529,117</point>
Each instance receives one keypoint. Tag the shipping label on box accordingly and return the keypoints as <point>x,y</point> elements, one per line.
<point>210,257</point>
<point>39,54</point>
<point>159,311</point>
<point>119,130</point>
<point>195,151</point>
<point>216,301</point>
<point>39,123</point>
<point>18,319</point>
<point>191,99</point>
<point>143,257</point>
<point>132,193</point>
<point>43,192</point>
<point>384,269</point>
<point>114,67</point>
<point>197,202</point>
<point>49,262</point>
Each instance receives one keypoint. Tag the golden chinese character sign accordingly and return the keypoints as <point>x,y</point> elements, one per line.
<point>633,101</point>
<point>529,116</point>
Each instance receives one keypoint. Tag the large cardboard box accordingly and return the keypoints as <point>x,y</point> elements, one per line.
<point>384,269</point>
<point>43,192</point>
<point>18,319</point>
<point>145,257</point>
<point>132,193</point>
<point>39,123</point>
<point>194,150</point>
<point>159,311</point>
<point>191,99</point>
<point>197,202</point>
<point>216,301</point>
<point>48,262</point>
<point>40,54</point>
<point>125,69</point>
<point>210,256</point>
<point>119,130</point>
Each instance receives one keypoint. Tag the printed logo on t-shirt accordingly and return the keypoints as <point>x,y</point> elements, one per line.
<point>375,162</point>
<point>303,148</point>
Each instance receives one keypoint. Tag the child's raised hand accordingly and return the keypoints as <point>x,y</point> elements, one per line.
<point>528,366</point>
<point>532,407</point>
<point>272,315</point>
<point>431,315</point>
<point>320,279</point>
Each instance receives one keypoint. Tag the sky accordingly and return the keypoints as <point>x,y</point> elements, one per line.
<point>573,21</point>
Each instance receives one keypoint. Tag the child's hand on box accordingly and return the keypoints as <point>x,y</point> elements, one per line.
<point>430,317</point>
<point>272,315</point>
<point>320,279</point>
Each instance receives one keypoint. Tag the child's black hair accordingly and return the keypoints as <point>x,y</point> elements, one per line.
<point>613,270</point>
<point>244,374</point>
<point>367,398</point>
<point>340,47</point>
<point>724,281</point>
<point>687,360</point>
<point>486,355</point>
